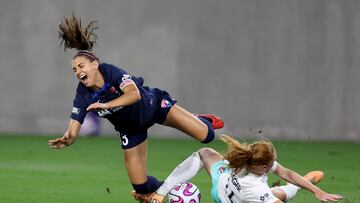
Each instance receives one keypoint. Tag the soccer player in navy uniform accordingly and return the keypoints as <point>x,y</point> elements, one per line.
<point>121,98</point>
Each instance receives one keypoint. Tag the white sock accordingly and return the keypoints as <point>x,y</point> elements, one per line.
<point>290,190</point>
<point>182,173</point>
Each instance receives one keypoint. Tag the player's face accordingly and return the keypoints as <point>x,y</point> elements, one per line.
<point>85,70</point>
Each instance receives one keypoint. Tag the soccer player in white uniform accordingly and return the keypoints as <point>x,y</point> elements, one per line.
<point>240,176</point>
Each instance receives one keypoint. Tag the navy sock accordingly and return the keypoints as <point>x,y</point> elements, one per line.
<point>141,188</point>
<point>151,185</point>
<point>211,134</point>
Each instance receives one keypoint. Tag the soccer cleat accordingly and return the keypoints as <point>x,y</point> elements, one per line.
<point>147,198</point>
<point>314,176</point>
<point>139,197</point>
<point>215,121</point>
<point>156,198</point>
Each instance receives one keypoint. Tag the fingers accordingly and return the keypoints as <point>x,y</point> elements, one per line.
<point>333,198</point>
<point>96,106</point>
<point>93,106</point>
<point>57,143</point>
<point>337,198</point>
<point>52,142</point>
<point>58,146</point>
<point>89,108</point>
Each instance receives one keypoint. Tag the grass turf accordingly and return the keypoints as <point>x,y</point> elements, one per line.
<point>92,169</point>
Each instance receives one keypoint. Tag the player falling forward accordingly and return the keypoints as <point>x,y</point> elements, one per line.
<point>241,175</point>
<point>121,98</point>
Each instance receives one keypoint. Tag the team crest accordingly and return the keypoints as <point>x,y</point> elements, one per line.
<point>165,103</point>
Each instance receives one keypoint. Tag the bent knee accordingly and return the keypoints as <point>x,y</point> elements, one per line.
<point>279,193</point>
<point>209,153</point>
<point>209,157</point>
<point>205,151</point>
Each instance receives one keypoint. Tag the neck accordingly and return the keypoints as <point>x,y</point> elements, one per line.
<point>257,170</point>
<point>99,82</point>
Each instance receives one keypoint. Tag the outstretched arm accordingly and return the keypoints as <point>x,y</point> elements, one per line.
<point>131,95</point>
<point>294,178</point>
<point>69,136</point>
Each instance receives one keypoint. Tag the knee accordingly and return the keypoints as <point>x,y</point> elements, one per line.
<point>279,193</point>
<point>206,152</point>
<point>210,136</point>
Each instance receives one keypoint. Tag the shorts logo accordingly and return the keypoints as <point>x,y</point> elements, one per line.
<point>75,110</point>
<point>165,103</point>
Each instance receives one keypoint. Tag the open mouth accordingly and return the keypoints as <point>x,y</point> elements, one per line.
<point>83,78</point>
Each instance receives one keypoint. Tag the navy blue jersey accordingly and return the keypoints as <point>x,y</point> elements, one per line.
<point>128,119</point>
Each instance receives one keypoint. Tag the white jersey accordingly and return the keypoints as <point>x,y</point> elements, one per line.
<point>245,187</point>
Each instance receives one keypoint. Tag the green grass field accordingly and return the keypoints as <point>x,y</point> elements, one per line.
<point>92,170</point>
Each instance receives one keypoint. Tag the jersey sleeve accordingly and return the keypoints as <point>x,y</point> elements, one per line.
<point>121,78</point>
<point>78,111</point>
<point>274,166</point>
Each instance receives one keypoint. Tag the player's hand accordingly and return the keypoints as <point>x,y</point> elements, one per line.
<point>97,106</point>
<point>60,143</point>
<point>325,197</point>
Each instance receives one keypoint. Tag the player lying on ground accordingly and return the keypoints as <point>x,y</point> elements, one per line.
<point>122,99</point>
<point>241,175</point>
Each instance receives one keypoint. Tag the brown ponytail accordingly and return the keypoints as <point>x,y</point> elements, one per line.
<point>241,154</point>
<point>72,35</point>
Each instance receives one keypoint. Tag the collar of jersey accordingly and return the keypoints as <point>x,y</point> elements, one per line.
<point>96,94</point>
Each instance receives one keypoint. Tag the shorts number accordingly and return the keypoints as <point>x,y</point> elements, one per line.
<point>124,140</point>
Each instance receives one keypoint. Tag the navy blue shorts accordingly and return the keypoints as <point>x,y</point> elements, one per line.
<point>163,103</point>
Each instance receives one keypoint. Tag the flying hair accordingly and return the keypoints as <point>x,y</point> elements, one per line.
<point>73,35</point>
<point>237,153</point>
<point>240,155</point>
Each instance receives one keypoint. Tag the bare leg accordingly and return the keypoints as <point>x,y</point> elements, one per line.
<point>135,162</point>
<point>279,193</point>
<point>186,122</point>
<point>209,157</point>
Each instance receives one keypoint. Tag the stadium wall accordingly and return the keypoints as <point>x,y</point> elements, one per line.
<point>287,68</point>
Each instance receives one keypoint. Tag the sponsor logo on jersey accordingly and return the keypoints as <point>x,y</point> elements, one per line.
<point>117,109</point>
<point>103,113</point>
<point>75,110</point>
